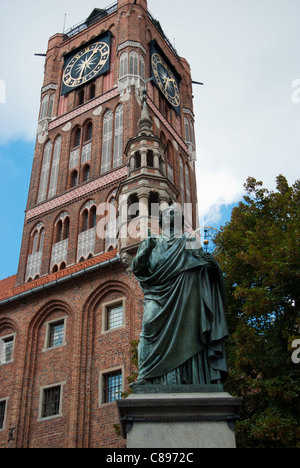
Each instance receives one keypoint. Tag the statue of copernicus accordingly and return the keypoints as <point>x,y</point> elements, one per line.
<point>184,325</point>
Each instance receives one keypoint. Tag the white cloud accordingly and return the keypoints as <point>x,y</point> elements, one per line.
<point>246,53</point>
<point>215,190</point>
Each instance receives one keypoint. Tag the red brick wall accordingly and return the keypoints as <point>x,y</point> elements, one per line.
<point>88,352</point>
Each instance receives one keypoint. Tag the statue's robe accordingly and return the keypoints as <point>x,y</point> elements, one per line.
<point>184,325</point>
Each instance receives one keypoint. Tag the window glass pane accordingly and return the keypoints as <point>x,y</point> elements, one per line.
<point>113,386</point>
<point>51,402</point>
<point>56,335</point>
<point>6,349</point>
<point>115,317</point>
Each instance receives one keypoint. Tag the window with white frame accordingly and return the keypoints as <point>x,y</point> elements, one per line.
<point>113,314</point>
<point>55,334</point>
<point>7,348</point>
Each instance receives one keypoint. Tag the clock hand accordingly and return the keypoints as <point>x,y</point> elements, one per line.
<point>83,69</point>
<point>90,58</point>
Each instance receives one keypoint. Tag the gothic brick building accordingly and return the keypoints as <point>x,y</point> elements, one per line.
<point>115,137</point>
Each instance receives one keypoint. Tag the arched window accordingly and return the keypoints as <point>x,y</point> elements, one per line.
<point>88,132</point>
<point>59,231</point>
<point>62,228</point>
<point>76,137</point>
<point>142,67</point>
<point>51,105</point>
<point>55,168</point>
<point>34,261</point>
<point>42,238</point>
<point>153,204</point>
<point>86,173</point>
<point>133,206</point>
<point>107,142</point>
<point>150,158</point>
<point>92,217</point>
<point>124,64</point>
<point>137,160</point>
<point>47,106</point>
<point>44,107</point>
<point>133,63</point>
<point>35,242</point>
<point>80,97</point>
<point>74,179</point>
<point>118,141</point>
<point>87,231</point>
<point>91,91</point>
<point>44,178</point>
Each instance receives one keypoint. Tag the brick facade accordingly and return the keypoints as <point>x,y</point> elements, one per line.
<point>75,293</point>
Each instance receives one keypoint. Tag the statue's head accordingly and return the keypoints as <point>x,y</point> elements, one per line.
<point>171,220</point>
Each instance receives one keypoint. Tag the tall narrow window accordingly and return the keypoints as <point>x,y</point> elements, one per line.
<point>42,238</point>
<point>51,105</point>
<point>187,184</point>
<point>181,180</point>
<point>35,242</point>
<point>124,65</point>
<point>56,334</point>
<point>86,174</point>
<point>133,63</point>
<point>44,179</point>
<point>118,141</point>
<point>44,107</point>
<point>34,261</point>
<point>107,142</point>
<point>3,405</point>
<point>55,168</point>
<point>142,67</point>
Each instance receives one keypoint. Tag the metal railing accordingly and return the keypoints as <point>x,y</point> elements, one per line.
<point>103,13</point>
<point>77,28</point>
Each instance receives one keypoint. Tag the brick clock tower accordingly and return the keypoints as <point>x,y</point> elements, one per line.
<point>115,143</point>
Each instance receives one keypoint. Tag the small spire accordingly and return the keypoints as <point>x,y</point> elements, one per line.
<point>145,123</point>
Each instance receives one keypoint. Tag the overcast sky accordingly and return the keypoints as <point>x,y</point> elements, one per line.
<point>247,113</point>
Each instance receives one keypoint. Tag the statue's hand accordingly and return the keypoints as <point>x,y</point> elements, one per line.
<point>151,243</point>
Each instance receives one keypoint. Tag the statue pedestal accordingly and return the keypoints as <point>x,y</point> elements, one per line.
<point>179,420</point>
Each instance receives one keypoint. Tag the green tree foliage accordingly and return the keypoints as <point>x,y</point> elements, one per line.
<point>261,264</point>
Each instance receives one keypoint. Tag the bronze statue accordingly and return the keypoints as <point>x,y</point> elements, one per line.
<point>184,325</point>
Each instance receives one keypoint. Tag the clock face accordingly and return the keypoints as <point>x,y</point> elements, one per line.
<point>86,65</point>
<point>165,79</point>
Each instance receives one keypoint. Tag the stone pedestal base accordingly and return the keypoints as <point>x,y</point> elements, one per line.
<point>179,420</point>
